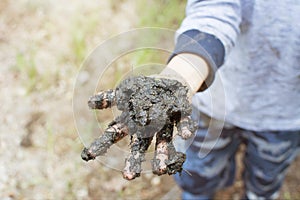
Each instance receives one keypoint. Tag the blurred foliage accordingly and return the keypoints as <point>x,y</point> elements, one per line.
<point>161,13</point>
<point>164,14</point>
<point>158,13</point>
<point>81,30</point>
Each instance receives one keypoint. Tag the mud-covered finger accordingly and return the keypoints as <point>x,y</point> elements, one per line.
<point>133,164</point>
<point>114,133</point>
<point>175,160</point>
<point>186,127</point>
<point>163,138</point>
<point>102,100</point>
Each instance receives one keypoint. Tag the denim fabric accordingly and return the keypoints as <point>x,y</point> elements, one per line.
<point>212,167</point>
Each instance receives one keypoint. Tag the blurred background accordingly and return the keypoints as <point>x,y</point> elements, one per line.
<point>43,44</point>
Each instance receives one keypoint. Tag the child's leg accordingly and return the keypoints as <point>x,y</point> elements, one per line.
<point>268,155</point>
<point>216,170</point>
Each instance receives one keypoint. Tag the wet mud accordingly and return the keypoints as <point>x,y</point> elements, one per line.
<point>151,107</point>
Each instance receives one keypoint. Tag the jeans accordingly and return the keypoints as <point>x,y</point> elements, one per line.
<point>210,163</point>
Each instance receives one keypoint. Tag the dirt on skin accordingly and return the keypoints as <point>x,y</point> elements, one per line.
<point>150,106</point>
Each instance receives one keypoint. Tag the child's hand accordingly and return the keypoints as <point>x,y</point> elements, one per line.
<point>150,106</point>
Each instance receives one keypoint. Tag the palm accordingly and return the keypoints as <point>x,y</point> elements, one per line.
<point>149,107</point>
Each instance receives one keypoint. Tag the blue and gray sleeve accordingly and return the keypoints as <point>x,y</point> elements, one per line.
<point>209,30</point>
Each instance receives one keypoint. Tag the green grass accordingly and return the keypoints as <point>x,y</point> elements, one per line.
<point>165,14</point>
<point>79,48</point>
<point>50,139</point>
<point>161,13</point>
<point>158,13</point>
<point>26,67</point>
<point>83,29</point>
<point>32,79</point>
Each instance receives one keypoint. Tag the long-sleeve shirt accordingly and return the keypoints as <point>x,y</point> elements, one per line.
<point>253,49</point>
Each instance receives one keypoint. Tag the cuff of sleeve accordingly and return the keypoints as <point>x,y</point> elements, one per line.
<point>205,45</point>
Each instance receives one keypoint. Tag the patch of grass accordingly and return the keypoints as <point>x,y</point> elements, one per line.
<point>149,56</point>
<point>163,14</point>
<point>32,79</point>
<point>287,196</point>
<point>83,29</point>
<point>50,139</point>
<point>25,65</point>
<point>79,45</point>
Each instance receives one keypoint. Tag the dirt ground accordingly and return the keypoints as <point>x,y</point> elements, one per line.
<point>42,45</point>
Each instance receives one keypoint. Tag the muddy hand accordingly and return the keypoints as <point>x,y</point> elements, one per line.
<point>149,106</point>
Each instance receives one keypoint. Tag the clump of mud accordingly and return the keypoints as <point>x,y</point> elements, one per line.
<point>150,106</point>
<point>151,103</point>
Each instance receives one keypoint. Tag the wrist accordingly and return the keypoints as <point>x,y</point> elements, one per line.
<point>190,69</point>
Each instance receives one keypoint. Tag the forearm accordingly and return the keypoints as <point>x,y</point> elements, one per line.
<point>204,38</point>
<point>196,58</point>
<point>220,18</point>
<point>190,68</point>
